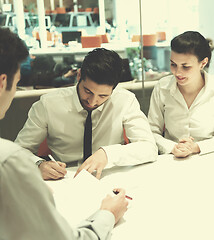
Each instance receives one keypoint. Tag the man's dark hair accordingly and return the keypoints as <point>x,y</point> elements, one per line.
<point>13,51</point>
<point>102,66</point>
<point>192,42</point>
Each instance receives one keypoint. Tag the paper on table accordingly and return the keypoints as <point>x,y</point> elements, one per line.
<point>78,198</point>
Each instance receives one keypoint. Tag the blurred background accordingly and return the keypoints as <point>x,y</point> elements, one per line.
<point>59,33</point>
<point>116,24</point>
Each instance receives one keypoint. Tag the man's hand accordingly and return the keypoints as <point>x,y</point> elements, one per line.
<point>70,73</point>
<point>117,204</point>
<point>185,147</point>
<point>52,170</point>
<point>96,161</point>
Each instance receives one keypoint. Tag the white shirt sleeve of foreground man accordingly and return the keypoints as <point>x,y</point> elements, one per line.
<point>27,206</point>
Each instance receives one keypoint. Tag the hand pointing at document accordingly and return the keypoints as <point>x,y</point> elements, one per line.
<point>96,162</point>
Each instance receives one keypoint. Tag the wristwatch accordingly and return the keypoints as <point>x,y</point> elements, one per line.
<point>40,161</point>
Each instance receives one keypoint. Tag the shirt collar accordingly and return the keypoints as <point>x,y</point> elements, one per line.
<point>76,100</point>
<point>172,85</point>
<point>207,83</point>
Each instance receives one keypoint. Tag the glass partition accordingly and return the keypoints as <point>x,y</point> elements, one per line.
<point>161,21</point>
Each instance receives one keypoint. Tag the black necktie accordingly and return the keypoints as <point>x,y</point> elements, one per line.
<point>87,137</point>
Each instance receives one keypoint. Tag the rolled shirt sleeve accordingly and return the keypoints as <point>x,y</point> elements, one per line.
<point>142,147</point>
<point>156,121</point>
<point>206,146</point>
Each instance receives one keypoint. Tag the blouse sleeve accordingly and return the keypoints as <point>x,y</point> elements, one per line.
<point>156,121</point>
<point>206,146</point>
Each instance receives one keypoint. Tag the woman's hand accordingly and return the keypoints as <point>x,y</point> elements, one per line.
<point>185,147</point>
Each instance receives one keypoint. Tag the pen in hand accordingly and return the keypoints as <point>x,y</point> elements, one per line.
<point>116,192</point>
<point>52,159</point>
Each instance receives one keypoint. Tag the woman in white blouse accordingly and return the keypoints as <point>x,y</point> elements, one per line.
<point>181,113</point>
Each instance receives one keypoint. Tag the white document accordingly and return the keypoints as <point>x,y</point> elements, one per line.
<point>78,198</point>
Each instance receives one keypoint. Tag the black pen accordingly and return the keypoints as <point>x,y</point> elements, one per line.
<point>116,192</point>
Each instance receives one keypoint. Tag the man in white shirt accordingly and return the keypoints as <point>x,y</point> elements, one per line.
<point>26,205</point>
<point>60,117</point>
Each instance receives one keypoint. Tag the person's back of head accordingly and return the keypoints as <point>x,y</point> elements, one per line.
<point>43,63</point>
<point>12,52</point>
<point>102,66</point>
<point>43,70</point>
<point>192,42</point>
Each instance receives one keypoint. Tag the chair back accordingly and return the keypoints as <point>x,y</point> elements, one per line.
<point>91,41</point>
<point>88,10</point>
<point>148,39</point>
<point>43,149</point>
<point>60,10</point>
<point>105,38</point>
<point>96,10</point>
<point>161,36</point>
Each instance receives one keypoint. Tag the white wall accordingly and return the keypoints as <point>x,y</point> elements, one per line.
<point>206,23</point>
<point>206,18</point>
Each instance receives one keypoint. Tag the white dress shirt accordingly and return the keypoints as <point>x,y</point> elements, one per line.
<point>60,117</point>
<point>170,118</point>
<point>27,210</point>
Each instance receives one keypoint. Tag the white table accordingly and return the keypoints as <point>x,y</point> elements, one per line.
<point>172,199</point>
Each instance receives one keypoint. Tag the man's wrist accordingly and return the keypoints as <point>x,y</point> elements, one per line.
<point>39,162</point>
